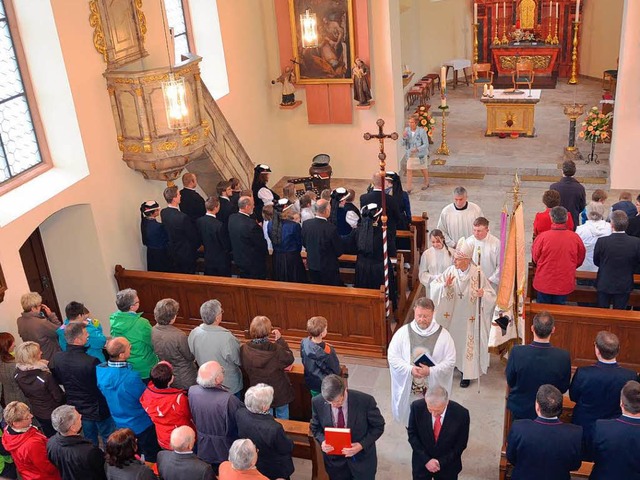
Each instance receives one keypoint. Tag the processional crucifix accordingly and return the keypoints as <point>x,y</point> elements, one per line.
<point>381,136</point>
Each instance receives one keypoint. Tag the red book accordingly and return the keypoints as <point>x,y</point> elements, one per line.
<point>338,438</point>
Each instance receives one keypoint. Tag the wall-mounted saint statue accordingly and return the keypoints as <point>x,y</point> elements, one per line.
<point>361,85</point>
<point>287,79</point>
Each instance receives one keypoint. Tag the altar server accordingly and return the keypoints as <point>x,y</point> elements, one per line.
<point>435,260</point>
<point>456,219</point>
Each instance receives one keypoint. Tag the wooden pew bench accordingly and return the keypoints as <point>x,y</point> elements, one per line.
<point>356,316</point>
<point>305,446</point>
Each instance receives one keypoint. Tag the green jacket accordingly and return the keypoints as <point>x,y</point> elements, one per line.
<point>137,330</point>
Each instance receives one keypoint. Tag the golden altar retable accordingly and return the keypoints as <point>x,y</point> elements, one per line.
<point>511,113</point>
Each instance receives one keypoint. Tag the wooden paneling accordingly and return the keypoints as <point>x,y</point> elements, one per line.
<point>357,323</point>
<point>576,329</point>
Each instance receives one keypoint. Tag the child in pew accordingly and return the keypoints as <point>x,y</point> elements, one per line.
<point>318,357</point>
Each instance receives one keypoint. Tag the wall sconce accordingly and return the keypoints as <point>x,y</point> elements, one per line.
<point>175,102</point>
<point>309,29</point>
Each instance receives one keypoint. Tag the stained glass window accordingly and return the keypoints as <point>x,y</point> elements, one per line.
<point>19,149</point>
<point>177,22</point>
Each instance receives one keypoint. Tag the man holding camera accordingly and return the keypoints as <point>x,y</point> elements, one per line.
<point>39,324</point>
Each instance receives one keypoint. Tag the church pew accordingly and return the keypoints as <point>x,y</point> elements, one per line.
<point>576,329</point>
<point>583,293</point>
<point>357,324</point>
<point>422,230</point>
<point>305,446</point>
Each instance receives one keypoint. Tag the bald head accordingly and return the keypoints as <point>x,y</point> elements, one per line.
<point>323,208</point>
<point>183,439</point>
<point>119,349</point>
<point>189,180</point>
<point>210,374</point>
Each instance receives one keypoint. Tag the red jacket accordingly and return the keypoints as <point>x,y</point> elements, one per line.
<point>168,408</point>
<point>542,222</point>
<point>557,253</point>
<point>29,452</point>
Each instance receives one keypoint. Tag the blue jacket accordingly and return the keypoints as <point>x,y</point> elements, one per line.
<point>122,387</point>
<point>616,444</point>
<point>596,391</point>
<point>318,363</point>
<point>95,342</point>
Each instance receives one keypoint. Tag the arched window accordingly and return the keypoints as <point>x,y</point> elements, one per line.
<point>21,149</point>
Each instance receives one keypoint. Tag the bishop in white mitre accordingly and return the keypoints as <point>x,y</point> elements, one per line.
<point>456,219</point>
<point>408,380</point>
<point>463,299</point>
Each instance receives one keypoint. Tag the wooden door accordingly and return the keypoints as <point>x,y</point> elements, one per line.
<point>36,269</point>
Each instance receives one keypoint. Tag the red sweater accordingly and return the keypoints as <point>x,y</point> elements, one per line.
<point>542,222</point>
<point>557,253</point>
<point>168,408</point>
<point>29,452</point>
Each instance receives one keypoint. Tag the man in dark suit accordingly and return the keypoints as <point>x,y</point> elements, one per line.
<point>182,463</point>
<point>634,222</point>
<point>248,244</point>
<point>617,257</point>
<point>337,407</point>
<point>573,196</point>
<point>324,246</point>
<point>616,442</point>
<point>392,207</point>
<point>532,365</point>
<point>224,195</point>
<point>191,202</point>
<point>215,238</point>
<point>595,388</point>
<point>544,448</point>
<point>183,235</point>
<point>438,433</point>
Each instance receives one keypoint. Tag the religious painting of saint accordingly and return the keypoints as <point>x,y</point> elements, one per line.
<point>332,59</point>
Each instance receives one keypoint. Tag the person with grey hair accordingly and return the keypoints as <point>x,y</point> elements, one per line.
<point>618,258</point>
<point>421,336</point>
<point>589,232</point>
<point>171,344</point>
<point>38,323</point>
<point>573,196</point>
<point>595,388</point>
<point>557,253</point>
<point>456,219</point>
<point>544,447</point>
<point>180,463</point>
<point>210,341</point>
<point>130,324</point>
<point>337,407</point>
<point>324,246</point>
<point>183,235</point>
<point>248,245</point>
<point>73,455</point>
<point>437,453</point>
<point>243,456</point>
<point>213,409</point>
<point>257,424</point>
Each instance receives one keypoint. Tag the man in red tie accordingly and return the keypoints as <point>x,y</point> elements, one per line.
<point>438,433</point>
<point>336,407</point>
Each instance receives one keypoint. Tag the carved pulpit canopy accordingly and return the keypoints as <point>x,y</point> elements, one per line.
<point>527,14</point>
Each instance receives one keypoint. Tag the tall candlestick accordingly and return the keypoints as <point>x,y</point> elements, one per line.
<point>496,40</point>
<point>574,55</point>
<point>578,11</point>
<point>504,8</point>
<point>550,7</point>
<point>475,42</point>
<point>549,36</point>
<point>497,10</point>
<point>557,5</point>
<point>443,78</point>
<point>475,13</point>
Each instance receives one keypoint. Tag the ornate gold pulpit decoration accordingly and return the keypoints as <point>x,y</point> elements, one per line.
<point>147,143</point>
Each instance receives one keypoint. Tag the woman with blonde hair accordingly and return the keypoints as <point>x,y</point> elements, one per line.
<point>265,360</point>
<point>38,385</point>
<point>38,323</point>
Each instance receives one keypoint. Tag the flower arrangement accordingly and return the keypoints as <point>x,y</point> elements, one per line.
<point>595,127</point>
<point>425,120</point>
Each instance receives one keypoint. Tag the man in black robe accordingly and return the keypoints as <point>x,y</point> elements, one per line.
<point>324,246</point>
<point>215,238</point>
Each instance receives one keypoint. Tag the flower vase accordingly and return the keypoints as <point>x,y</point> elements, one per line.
<point>593,157</point>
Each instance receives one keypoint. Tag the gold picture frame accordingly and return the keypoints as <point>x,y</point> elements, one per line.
<point>332,59</point>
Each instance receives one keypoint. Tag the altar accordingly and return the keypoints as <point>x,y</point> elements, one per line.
<point>511,114</point>
<point>543,56</point>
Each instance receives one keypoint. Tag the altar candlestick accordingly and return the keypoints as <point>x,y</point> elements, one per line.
<point>557,9</point>
<point>491,90</point>
<point>485,89</point>
<point>578,11</point>
<point>475,13</point>
<point>443,102</point>
<point>504,8</point>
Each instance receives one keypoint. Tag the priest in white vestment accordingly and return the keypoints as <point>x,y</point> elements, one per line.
<point>456,219</point>
<point>463,298</point>
<point>408,381</point>
<point>487,247</point>
<point>435,260</point>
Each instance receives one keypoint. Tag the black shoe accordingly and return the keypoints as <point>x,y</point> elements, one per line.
<point>465,383</point>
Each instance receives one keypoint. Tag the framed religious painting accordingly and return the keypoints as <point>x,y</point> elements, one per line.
<point>329,56</point>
